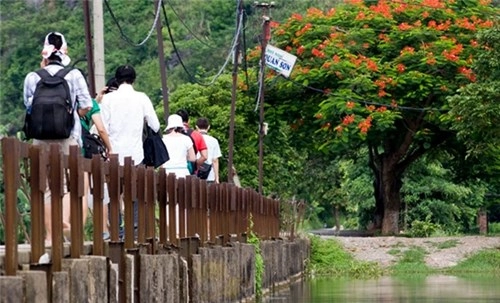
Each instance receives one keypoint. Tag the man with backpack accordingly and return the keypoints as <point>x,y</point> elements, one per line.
<point>52,110</point>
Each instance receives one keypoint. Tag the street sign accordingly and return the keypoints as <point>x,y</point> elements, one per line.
<point>279,60</point>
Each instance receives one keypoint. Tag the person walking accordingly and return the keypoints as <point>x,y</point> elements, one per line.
<point>200,147</point>
<point>124,112</point>
<point>55,58</point>
<point>92,122</point>
<point>213,149</point>
<point>179,146</point>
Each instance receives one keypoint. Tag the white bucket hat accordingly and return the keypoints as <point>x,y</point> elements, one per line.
<point>174,121</point>
<point>62,53</point>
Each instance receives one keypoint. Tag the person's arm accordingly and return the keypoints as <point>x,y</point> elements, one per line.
<point>201,146</point>
<point>203,157</point>
<point>99,125</point>
<point>101,94</point>
<point>191,156</point>
<point>150,115</point>
<point>215,165</point>
<point>29,88</point>
<point>82,93</point>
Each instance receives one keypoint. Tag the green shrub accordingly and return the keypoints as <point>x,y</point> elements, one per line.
<point>422,229</point>
<point>328,258</point>
<point>494,228</point>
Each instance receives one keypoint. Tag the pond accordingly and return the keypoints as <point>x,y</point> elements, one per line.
<point>417,289</point>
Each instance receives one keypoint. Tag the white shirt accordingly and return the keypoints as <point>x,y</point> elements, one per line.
<point>178,146</point>
<point>77,88</point>
<point>213,152</point>
<point>123,113</point>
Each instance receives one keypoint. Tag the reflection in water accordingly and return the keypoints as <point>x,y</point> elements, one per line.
<point>414,289</point>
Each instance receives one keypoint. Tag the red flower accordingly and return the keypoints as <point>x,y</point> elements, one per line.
<point>405,26</point>
<point>296,16</point>
<point>371,65</point>
<point>300,50</point>
<point>400,67</point>
<point>273,24</point>
<point>317,53</point>
<point>348,119</point>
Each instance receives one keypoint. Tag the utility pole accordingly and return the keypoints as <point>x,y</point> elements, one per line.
<point>100,72</point>
<point>239,24</point>
<point>266,36</point>
<point>161,58</point>
<point>88,48</point>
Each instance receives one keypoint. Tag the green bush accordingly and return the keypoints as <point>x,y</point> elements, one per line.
<point>494,228</point>
<point>328,258</point>
<point>422,229</point>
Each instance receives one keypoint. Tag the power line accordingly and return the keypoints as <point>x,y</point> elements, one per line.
<point>185,25</point>
<point>122,33</point>
<point>219,73</point>
<point>364,102</point>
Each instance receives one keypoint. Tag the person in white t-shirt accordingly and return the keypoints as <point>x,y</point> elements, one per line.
<point>124,112</point>
<point>179,146</point>
<point>213,148</point>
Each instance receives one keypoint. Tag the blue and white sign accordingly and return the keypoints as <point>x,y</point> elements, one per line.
<point>279,60</point>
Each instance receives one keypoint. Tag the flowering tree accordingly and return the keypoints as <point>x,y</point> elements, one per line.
<point>379,73</point>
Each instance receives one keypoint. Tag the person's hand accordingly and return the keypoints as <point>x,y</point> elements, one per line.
<point>101,93</point>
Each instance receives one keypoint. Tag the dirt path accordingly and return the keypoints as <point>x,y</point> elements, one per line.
<point>441,252</point>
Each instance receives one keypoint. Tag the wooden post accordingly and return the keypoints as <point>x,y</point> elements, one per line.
<point>10,154</point>
<point>76,192</point>
<point>38,185</point>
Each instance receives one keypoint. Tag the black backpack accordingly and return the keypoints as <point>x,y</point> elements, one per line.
<point>51,114</point>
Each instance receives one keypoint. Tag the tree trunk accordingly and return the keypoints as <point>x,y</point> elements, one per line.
<point>391,185</point>
<point>483,221</point>
<point>378,215</point>
<point>337,218</point>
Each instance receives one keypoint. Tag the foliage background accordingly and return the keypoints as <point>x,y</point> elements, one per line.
<point>294,168</point>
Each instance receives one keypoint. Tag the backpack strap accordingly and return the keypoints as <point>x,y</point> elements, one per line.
<point>43,73</point>
<point>63,72</point>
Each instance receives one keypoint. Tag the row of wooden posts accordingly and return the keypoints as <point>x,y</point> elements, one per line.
<point>169,209</point>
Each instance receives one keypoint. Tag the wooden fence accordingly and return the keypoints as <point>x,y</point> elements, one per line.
<point>169,209</point>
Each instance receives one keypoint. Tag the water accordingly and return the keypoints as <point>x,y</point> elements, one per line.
<point>415,289</point>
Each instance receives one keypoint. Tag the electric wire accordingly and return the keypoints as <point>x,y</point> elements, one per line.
<point>221,70</point>
<point>364,102</point>
<point>189,30</point>
<point>122,33</point>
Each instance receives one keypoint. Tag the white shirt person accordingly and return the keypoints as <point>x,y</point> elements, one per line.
<point>124,112</point>
<point>213,149</point>
<point>179,146</point>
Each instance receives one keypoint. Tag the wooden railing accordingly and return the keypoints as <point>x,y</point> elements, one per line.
<point>169,209</point>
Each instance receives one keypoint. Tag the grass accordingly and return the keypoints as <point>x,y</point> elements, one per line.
<point>487,260</point>
<point>328,258</point>
<point>394,251</point>
<point>446,244</point>
<point>411,261</point>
